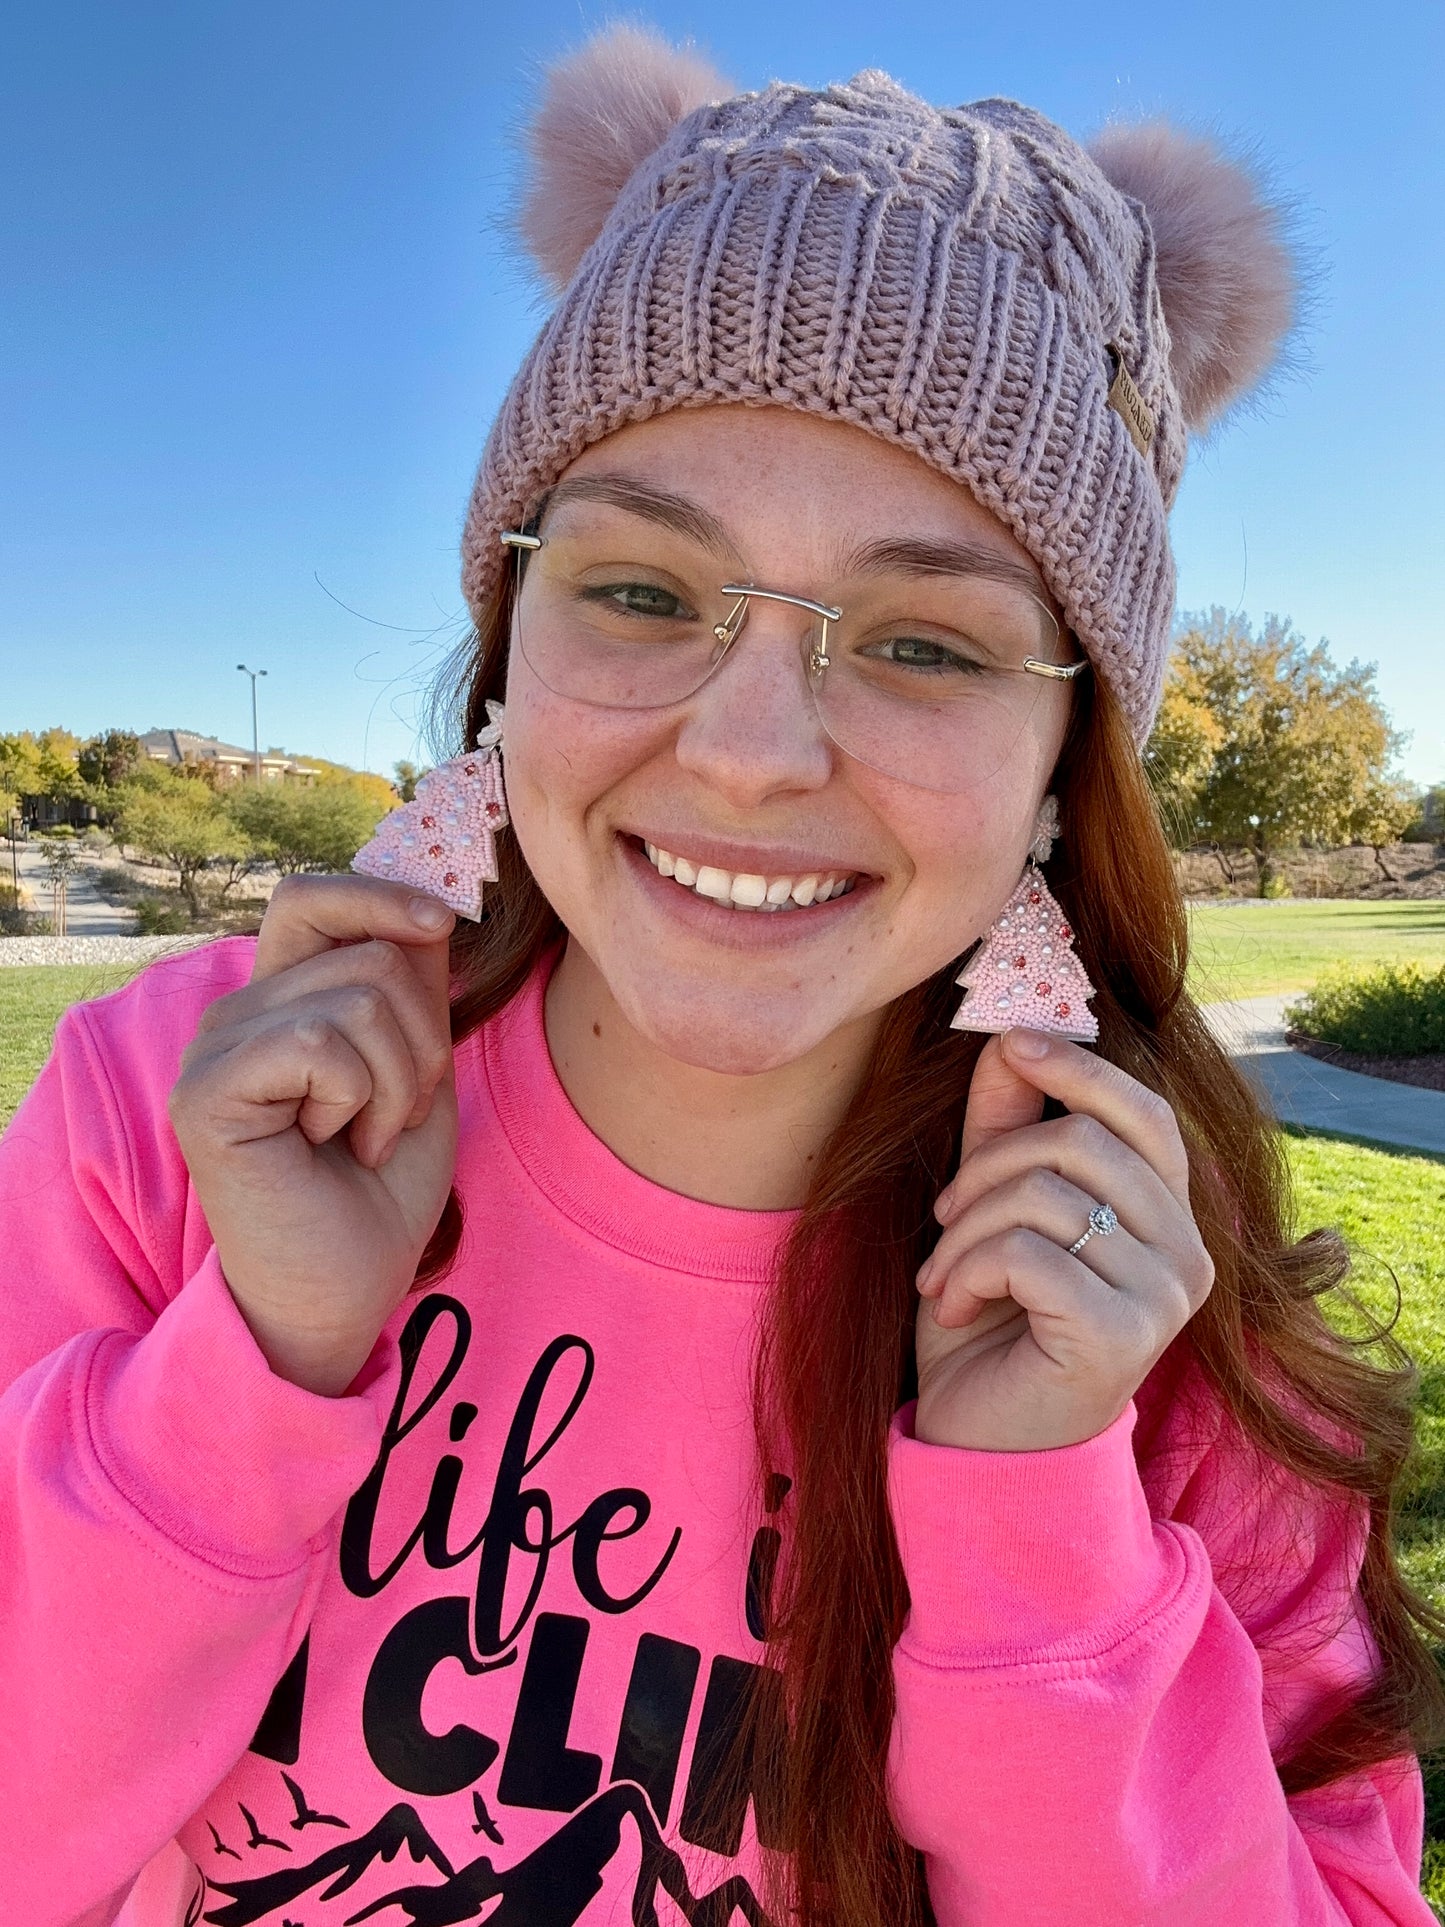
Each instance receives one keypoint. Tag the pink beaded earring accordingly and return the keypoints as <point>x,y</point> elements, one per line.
<point>1024,970</point>
<point>444,840</point>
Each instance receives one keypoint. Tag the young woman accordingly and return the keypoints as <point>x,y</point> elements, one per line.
<point>620,1410</point>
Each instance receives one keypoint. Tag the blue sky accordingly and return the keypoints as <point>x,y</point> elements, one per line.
<point>258,319</point>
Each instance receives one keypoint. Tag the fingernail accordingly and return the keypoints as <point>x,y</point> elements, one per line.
<point>1028,1043</point>
<point>945,1203</point>
<point>426,911</point>
<point>924,1275</point>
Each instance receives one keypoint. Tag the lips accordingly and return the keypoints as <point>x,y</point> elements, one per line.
<point>750,890</point>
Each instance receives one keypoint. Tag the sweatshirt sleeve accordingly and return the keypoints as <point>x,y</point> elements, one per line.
<point>1086,1726</point>
<point>166,1501</point>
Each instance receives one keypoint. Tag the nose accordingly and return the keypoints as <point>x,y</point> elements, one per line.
<point>753,730</point>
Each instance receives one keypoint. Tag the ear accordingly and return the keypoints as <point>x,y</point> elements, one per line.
<point>1227,276</point>
<point>603,110</point>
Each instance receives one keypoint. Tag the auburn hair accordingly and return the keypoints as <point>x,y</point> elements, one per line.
<point>835,1351</point>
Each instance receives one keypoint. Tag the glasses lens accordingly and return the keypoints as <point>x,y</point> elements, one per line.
<point>608,613</point>
<point>940,699</point>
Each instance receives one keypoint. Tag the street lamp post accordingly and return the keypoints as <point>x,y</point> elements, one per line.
<point>255,737</point>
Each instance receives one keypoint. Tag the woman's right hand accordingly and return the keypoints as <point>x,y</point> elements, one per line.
<point>316,1110</point>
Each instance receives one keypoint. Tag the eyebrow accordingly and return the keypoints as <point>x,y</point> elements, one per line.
<point>898,555</point>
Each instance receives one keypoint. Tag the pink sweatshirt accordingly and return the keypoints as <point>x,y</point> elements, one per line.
<point>463,1643</point>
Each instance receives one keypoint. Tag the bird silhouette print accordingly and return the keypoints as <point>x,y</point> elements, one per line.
<point>484,1823</point>
<point>306,1814</point>
<point>259,1839</point>
<point>221,1846</point>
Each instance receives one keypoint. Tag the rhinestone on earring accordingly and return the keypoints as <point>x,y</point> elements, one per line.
<point>1025,971</point>
<point>444,840</point>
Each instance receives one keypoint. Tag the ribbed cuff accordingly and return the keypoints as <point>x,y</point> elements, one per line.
<point>1015,1556</point>
<point>230,1463</point>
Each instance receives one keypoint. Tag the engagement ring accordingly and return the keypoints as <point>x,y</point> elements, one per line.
<point>1102,1220</point>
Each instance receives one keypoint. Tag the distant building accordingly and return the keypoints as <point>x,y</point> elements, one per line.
<point>232,764</point>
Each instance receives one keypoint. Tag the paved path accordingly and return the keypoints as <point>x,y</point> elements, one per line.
<point>87,914</point>
<point>1302,1090</point>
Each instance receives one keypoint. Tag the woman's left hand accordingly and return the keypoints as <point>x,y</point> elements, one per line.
<point>1022,1347</point>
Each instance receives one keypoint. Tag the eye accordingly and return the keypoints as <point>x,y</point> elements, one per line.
<point>921,653</point>
<point>638,599</point>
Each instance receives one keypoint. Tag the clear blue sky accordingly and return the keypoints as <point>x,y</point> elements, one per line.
<point>258,320</point>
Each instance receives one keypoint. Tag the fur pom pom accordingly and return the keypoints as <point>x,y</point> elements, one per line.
<point>604,109</point>
<point>1227,277</point>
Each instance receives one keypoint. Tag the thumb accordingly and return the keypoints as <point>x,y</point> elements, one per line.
<point>999,1100</point>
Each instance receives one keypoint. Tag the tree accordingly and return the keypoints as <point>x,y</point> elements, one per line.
<point>180,823</point>
<point>305,829</point>
<point>59,776</point>
<point>108,760</point>
<point>1301,745</point>
<point>1384,813</point>
<point>407,777</point>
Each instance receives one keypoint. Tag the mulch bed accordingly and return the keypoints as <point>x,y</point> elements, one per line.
<point>1428,1072</point>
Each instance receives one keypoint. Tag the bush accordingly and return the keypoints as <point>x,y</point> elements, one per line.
<point>14,922</point>
<point>1394,1010</point>
<point>154,917</point>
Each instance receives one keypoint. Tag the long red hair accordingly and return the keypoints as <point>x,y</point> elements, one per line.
<point>835,1357</point>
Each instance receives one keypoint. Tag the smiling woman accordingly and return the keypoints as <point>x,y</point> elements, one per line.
<point>621,1373</point>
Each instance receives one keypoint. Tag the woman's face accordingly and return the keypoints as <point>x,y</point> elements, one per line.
<point>740,776</point>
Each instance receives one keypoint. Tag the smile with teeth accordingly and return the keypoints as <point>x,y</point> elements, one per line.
<point>741,891</point>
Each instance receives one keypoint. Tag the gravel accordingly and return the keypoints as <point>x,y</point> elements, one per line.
<point>90,950</point>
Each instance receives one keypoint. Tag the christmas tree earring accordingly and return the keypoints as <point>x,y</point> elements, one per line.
<point>444,840</point>
<point>1024,970</point>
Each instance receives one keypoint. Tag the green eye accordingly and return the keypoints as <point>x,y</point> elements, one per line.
<point>917,652</point>
<point>639,599</point>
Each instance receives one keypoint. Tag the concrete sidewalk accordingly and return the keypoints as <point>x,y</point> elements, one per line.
<point>1302,1090</point>
<point>87,914</point>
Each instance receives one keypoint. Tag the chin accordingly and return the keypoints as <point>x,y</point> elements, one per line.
<point>734,1036</point>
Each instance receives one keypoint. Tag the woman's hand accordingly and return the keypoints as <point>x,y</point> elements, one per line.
<point>316,1111</point>
<point>1020,1346</point>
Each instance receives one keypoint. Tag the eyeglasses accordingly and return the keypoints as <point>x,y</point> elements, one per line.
<point>932,681</point>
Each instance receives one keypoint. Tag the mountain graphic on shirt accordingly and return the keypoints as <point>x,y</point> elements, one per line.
<point>550,1887</point>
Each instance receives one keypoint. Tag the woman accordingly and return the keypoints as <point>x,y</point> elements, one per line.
<point>839,1465</point>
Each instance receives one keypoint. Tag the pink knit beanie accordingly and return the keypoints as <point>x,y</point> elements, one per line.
<point>1041,322</point>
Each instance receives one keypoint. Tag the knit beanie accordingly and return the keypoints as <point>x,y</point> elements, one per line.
<point>1042,322</point>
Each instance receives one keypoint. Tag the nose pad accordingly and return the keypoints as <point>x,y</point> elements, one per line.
<point>752,726</point>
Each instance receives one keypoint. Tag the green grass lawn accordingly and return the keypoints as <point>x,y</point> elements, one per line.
<point>31,1000</point>
<point>1390,1206</point>
<point>1248,949</point>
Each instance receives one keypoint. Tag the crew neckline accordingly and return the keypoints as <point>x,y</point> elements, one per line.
<point>587,1182</point>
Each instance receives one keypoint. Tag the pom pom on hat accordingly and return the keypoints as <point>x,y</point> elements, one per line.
<point>1227,278</point>
<point>604,109</point>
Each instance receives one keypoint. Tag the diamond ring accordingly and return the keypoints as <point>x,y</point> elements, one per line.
<point>1101,1219</point>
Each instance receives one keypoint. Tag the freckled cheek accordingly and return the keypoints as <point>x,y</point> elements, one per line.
<point>962,854</point>
<point>562,760</point>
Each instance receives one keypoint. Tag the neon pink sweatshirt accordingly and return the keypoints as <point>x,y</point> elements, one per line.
<point>465,1642</point>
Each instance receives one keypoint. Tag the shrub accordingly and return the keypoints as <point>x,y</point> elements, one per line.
<point>154,917</point>
<point>1393,1010</point>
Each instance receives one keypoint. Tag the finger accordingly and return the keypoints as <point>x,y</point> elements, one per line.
<point>309,915</point>
<point>999,1100</point>
<point>1087,1083</point>
<point>267,1075</point>
<point>1042,1201</point>
<point>421,1016</point>
<point>1086,1153</point>
<point>1045,1281</point>
<point>358,1017</point>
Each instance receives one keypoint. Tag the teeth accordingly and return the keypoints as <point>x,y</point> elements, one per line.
<point>747,891</point>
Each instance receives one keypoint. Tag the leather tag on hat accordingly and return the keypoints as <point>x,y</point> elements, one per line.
<point>1129,405</point>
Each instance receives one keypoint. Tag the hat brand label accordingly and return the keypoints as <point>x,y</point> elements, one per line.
<point>1126,401</point>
